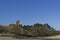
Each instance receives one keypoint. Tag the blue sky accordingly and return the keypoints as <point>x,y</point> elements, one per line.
<point>30,12</point>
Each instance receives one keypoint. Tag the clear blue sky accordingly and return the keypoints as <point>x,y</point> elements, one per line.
<point>30,12</point>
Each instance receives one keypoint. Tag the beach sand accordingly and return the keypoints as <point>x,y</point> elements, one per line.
<point>37,38</point>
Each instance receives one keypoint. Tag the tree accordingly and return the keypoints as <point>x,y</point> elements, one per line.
<point>17,23</point>
<point>48,27</point>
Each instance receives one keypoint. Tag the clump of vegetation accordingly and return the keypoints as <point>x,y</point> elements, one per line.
<point>29,30</point>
